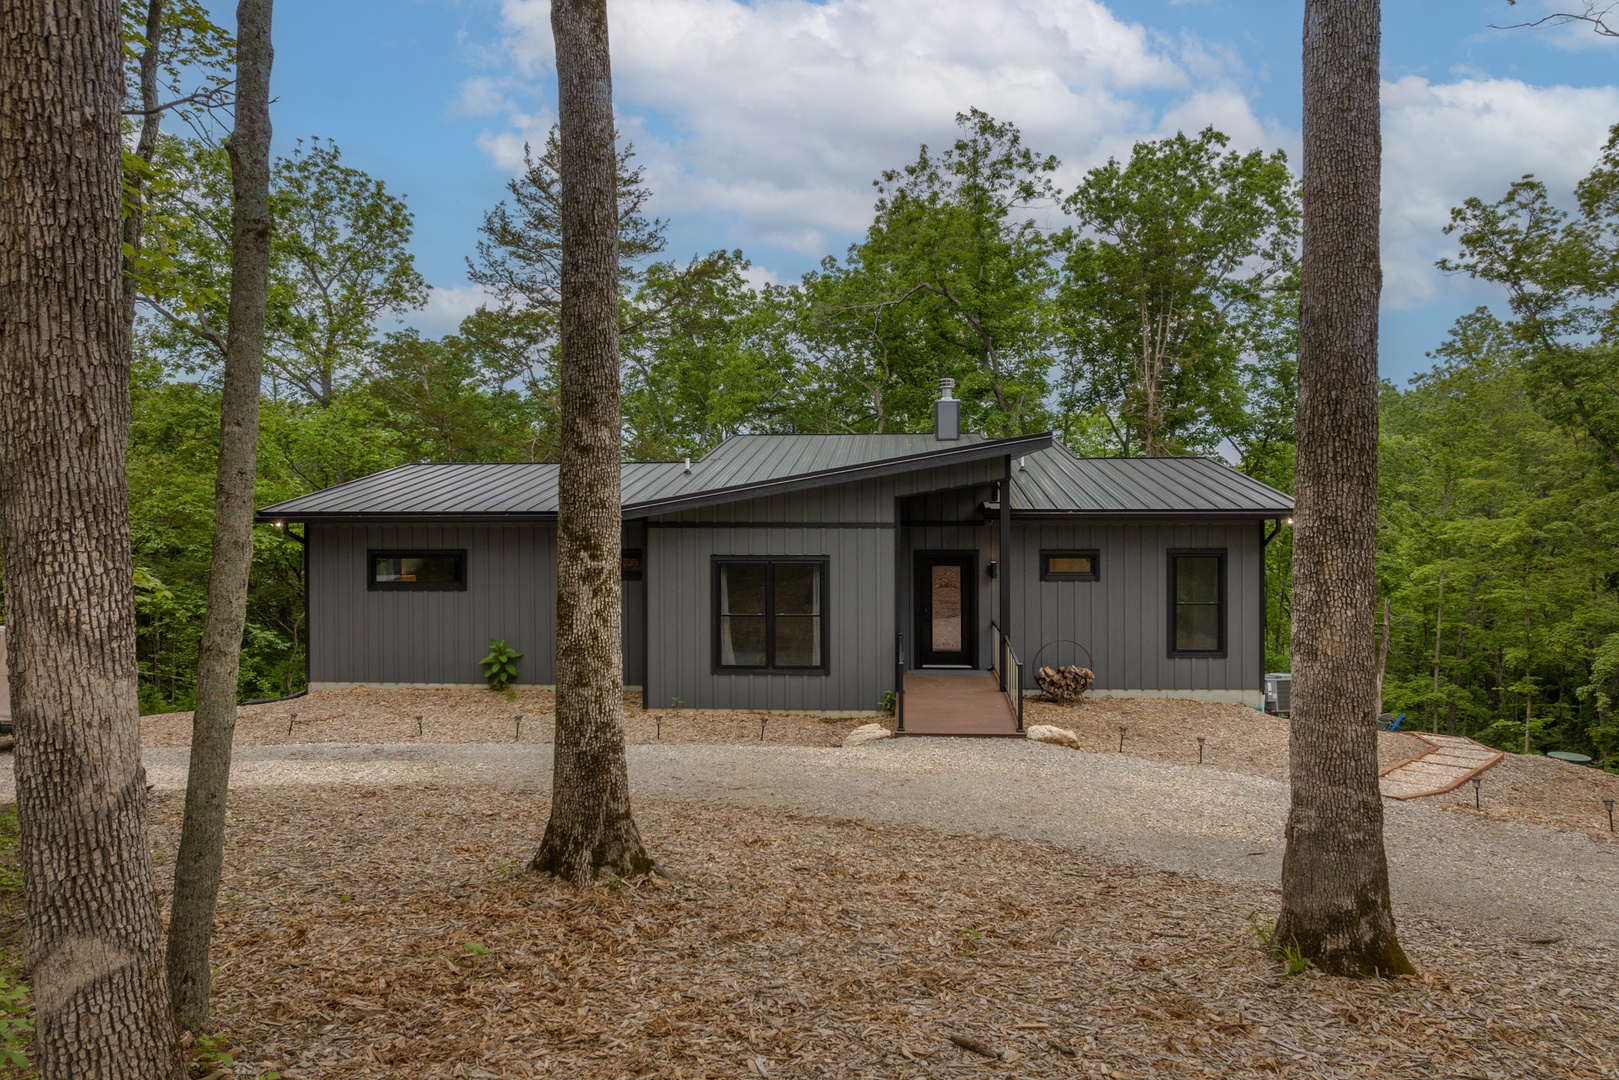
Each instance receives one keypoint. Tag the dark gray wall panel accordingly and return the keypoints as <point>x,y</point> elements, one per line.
<point>361,636</point>
<point>860,613</point>
<point>1124,617</point>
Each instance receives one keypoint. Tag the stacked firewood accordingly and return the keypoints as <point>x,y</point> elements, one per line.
<point>1065,683</point>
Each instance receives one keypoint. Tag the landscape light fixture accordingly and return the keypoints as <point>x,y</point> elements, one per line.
<point>1477,782</point>
<point>418,723</point>
<point>517,735</point>
<point>1609,804</point>
<point>659,719</point>
<point>290,718</point>
<point>762,720</point>
<point>1122,729</point>
<point>1201,739</point>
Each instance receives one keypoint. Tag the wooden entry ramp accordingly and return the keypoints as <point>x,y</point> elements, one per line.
<point>1448,762</point>
<point>970,703</point>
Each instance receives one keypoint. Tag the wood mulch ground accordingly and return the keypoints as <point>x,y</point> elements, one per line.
<point>364,715</point>
<point>370,933</point>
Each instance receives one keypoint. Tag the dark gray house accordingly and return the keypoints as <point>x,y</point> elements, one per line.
<point>810,572</point>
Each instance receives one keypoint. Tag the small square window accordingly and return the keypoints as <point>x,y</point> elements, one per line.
<point>632,567</point>
<point>416,570</point>
<point>1069,566</point>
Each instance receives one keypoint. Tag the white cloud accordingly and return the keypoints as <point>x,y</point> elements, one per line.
<point>772,117</point>
<point>1444,142</point>
<point>781,112</point>
<point>446,307</point>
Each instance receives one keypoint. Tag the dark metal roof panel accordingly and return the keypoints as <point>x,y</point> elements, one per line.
<point>1048,480</point>
<point>1054,481</point>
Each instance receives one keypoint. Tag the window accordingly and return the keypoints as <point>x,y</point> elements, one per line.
<point>770,615</point>
<point>1068,566</point>
<point>1197,603</point>
<point>420,570</point>
<point>632,567</point>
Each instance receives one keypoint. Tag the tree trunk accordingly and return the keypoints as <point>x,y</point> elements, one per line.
<point>1335,887</point>
<point>591,830</point>
<point>202,838</point>
<point>1382,659</point>
<point>93,940</point>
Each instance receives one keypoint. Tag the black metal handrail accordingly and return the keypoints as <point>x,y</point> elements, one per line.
<point>899,684</point>
<point>1009,670</point>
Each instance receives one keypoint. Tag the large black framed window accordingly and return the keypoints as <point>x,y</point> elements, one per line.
<point>1070,565</point>
<point>416,570</point>
<point>770,614</point>
<point>1197,602</point>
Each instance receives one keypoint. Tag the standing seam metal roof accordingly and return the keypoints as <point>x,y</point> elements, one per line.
<point>1047,480</point>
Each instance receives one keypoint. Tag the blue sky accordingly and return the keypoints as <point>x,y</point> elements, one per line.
<point>762,124</point>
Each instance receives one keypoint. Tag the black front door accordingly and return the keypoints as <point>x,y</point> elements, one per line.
<point>945,597</point>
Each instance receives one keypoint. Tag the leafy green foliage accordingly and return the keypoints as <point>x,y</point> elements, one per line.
<point>500,666</point>
<point>1180,297</point>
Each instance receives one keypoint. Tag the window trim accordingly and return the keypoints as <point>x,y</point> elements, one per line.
<point>1047,554</point>
<point>373,585</point>
<point>639,554</point>
<point>770,562</point>
<point>1222,607</point>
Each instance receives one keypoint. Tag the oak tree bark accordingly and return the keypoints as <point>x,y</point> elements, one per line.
<point>202,838</point>
<point>1335,885</point>
<point>591,830</point>
<point>93,940</point>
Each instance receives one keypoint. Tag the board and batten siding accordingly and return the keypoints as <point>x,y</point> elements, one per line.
<point>853,525</point>
<point>1123,618</point>
<point>435,638</point>
<point>680,619</point>
<point>430,638</point>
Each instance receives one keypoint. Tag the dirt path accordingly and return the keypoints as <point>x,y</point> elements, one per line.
<point>1520,880</point>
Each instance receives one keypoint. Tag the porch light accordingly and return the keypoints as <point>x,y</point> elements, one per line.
<point>1290,521</point>
<point>992,570</point>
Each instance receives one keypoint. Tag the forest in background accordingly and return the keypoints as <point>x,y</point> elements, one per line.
<point>1152,310</point>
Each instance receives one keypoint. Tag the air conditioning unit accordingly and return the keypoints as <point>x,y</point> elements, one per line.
<point>1279,693</point>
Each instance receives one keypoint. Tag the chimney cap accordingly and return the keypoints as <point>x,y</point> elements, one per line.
<point>946,385</point>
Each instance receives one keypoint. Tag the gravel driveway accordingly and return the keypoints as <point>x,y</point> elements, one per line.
<point>1520,880</point>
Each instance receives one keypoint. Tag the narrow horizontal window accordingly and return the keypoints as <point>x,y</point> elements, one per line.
<point>633,569</point>
<point>1069,566</point>
<point>770,615</point>
<point>1197,603</point>
<point>421,570</point>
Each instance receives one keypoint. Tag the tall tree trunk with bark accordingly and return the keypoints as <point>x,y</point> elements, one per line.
<point>93,941</point>
<point>202,838</point>
<point>1335,886</point>
<point>591,830</point>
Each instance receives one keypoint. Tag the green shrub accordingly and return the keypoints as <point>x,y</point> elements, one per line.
<point>500,666</point>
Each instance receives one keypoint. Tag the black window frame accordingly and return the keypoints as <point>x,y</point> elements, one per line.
<point>639,555</point>
<point>771,562</point>
<point>1047,554</point>
<point>1222,605</point>
<point>373,585</point>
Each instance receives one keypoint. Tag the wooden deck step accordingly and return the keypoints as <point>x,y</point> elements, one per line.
<point>964,704</point>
